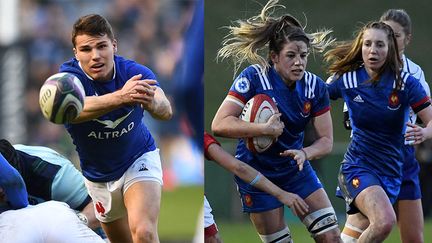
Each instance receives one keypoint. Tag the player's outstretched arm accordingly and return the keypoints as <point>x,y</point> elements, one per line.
<point>96,106</point>
<point>247,173</point>
<point>13,185</point>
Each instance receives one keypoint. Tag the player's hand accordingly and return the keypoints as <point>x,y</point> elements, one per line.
<point>135,86</point>
<point>414,134</point>
<point>274,126</point>
<point>297,205</point>
<point>145,93</point>
<point>298,155</point>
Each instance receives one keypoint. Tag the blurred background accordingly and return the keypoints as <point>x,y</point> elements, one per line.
<point>35,38</point>
<point>343,17</point>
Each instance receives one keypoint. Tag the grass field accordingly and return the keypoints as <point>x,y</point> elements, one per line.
<point>179,214</point>
<point>245,233</point>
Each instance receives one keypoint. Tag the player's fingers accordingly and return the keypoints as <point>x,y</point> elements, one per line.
<point>136,77</point>
<point>300,166</point>
<point>287,153</point>
<point>150,81</point>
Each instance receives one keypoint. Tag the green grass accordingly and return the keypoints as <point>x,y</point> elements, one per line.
<point>244,232</point>
<point>179,213</point>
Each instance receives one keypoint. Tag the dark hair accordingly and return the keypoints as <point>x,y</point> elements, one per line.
<point>347,56</point>
<point>399,16</point>
<point>93,25</point>
<point>10,154</point>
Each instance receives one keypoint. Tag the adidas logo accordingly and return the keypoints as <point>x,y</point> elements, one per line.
<point>358,98</point>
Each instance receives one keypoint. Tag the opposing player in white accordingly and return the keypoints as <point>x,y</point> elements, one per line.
<point>48,222</point>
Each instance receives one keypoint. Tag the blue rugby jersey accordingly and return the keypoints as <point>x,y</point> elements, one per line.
<point>378,114</point>
<point>309,98</point>
<point>108,145</point>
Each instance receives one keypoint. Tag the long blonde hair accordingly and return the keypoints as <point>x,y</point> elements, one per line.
<point>245,41</point>
<point>347,56</point>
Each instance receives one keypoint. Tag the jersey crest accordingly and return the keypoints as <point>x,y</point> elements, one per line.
<point>394,101</point>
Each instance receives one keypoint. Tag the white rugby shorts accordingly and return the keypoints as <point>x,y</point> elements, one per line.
<point>108,198</point>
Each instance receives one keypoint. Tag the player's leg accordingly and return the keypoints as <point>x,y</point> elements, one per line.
<point>109,209</point>
<point>354,227</point>
<point>117,230</point>
<point>375,205</point>
<point>142,201</point>
<point>211,234</point>
<point>410,220</point>
<point>321,220</point>
<point>408,208</point>
<point>271,226</point>
<point>142,196</point>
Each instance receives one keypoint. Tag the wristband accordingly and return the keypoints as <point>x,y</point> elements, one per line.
<point>304,153</point>
<point>256,179</point>
<point>208,140</point>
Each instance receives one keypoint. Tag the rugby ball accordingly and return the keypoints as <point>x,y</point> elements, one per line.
<point>61,98</point>
<point>259,109</point>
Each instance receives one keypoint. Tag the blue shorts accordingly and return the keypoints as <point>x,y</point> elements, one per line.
<point>410,189</point>
<point>303,183</point>
<point>353,179</point>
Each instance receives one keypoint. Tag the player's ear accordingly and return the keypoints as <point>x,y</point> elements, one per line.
<point>115,45</point>
<point>407,39</point>
<point>274,57</point>
<point>75,53</point>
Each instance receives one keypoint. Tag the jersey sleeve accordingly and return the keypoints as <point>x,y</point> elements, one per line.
<point>243,87</point>
<point>418,99</point>
<point>208,140</point>
<point>322,101</point>
<point>13,185</point>
<point>334,87</point>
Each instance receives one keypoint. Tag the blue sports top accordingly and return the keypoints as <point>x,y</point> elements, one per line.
<point>306,99</point>
<point>378,114</point>
<point>108,145</point>
<point>13,187</point>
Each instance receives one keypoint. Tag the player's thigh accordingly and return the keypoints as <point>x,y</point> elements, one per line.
<point>374,203</point>
<point>410,220</point>
<point>318,200</point>
<point>268,222</point>
<point>142,201</point>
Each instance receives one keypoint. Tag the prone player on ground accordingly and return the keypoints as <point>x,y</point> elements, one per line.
<point>50,176</point>
<point>24,223</point>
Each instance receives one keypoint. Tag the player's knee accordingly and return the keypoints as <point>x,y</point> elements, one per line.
<point>283,236</point>
<point>321,221</point>
<point>383,227</point>
<point>144,234</point>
